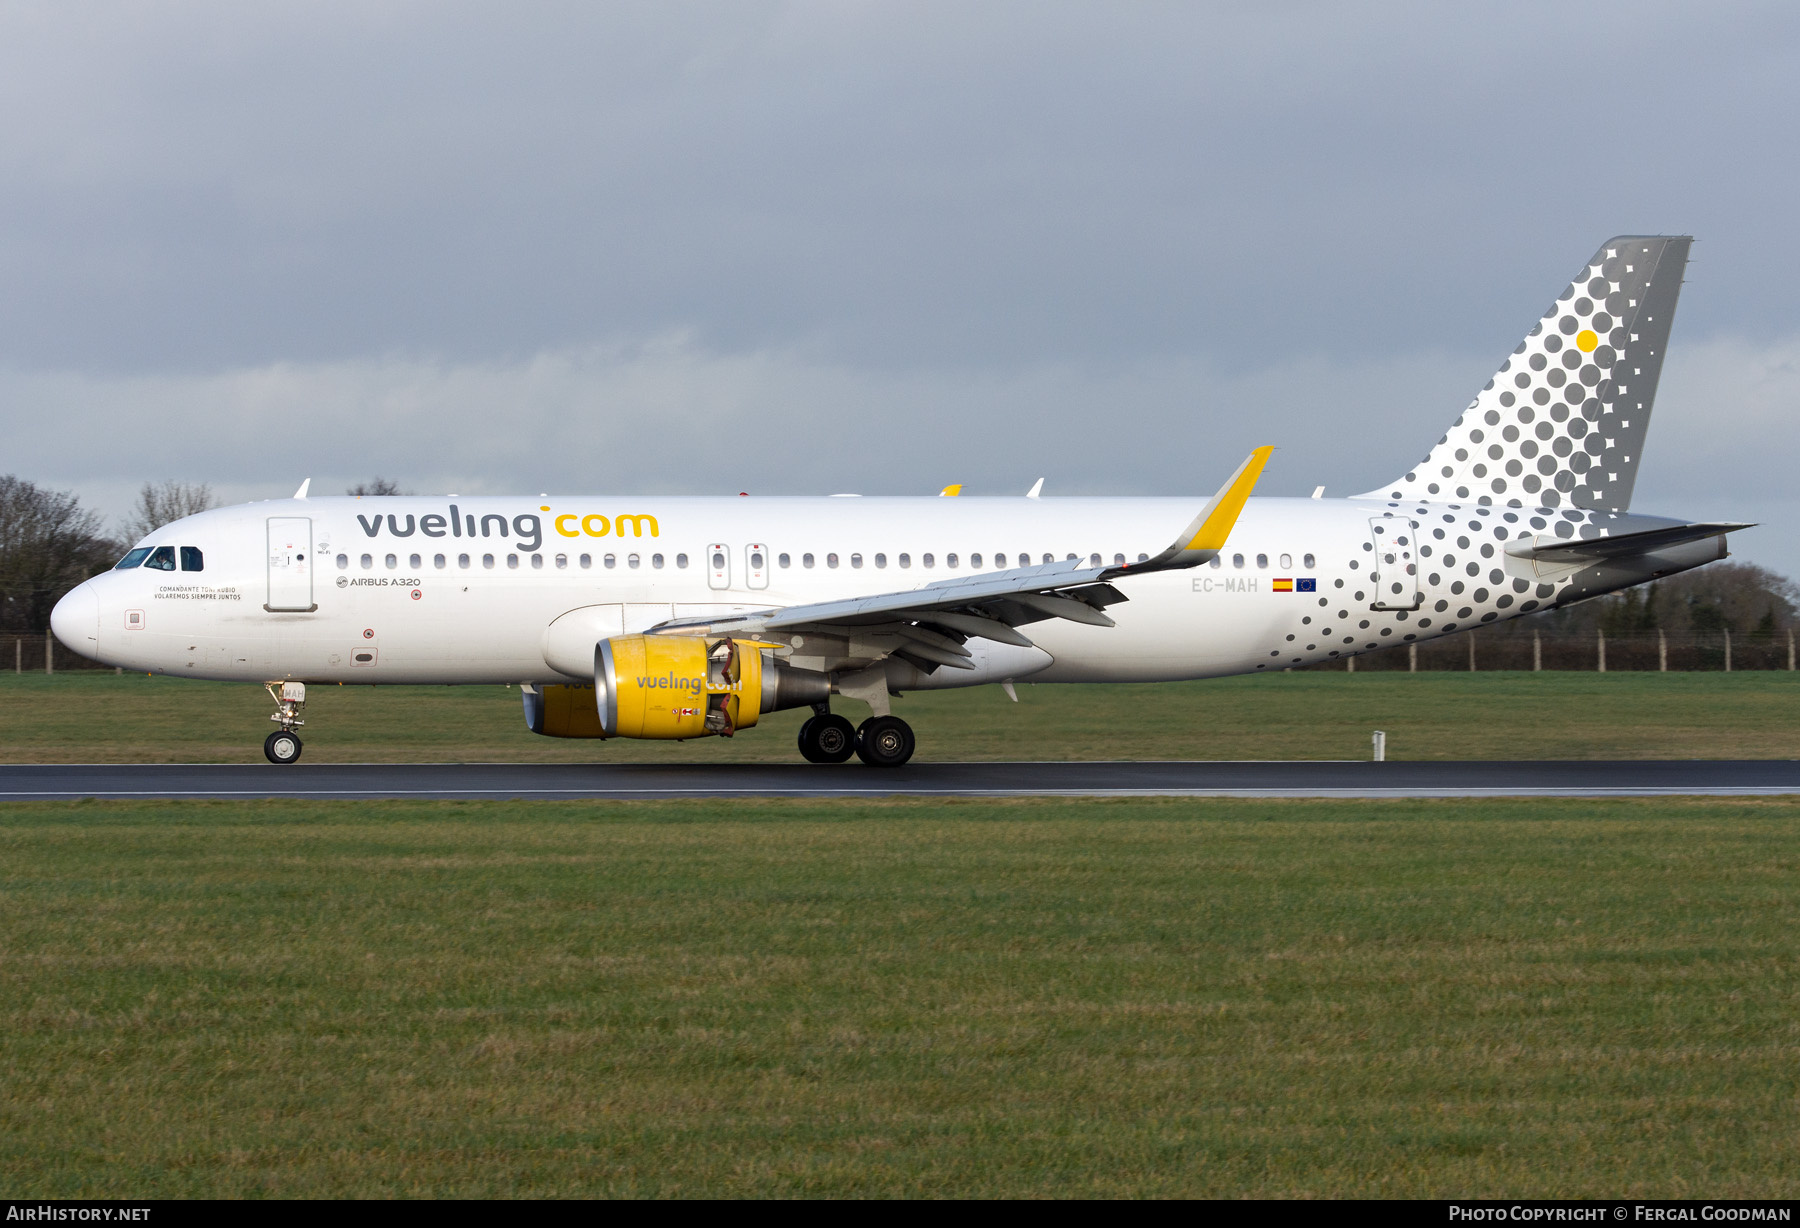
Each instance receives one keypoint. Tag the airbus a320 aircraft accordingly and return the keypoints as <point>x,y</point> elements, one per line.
<point>637,617</point>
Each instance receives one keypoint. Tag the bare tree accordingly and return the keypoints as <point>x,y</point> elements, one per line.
<point>378,486</point>
<point>48,545</point>
<point>161,503</point>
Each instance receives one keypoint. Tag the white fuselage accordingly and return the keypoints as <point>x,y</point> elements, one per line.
<point>394,590</point>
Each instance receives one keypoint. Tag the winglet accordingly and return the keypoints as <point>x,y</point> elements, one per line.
<point>951,490</point>
<point>1205,536</point>
<point>1037,488</point>
<point>301,493</point>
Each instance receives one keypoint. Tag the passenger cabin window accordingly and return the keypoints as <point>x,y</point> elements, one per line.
<point>974,561</point>
<point>462,560</point>
<point>414,561</point>
<point>831,560</point>
<point>806,560</point>
<point>512,561</point>
<point>681,561</point>
<point>718,560</point>
<point>999,560</point>
<point>1262,560</point>
<point>1308,560</point>
<point>609,561</point>
<point>438,561</point>
<point>343,562</point>
<point>392,562</point>
<point>905,560</point>
<point>881,560</point>
<point>1118,560</point>
<point>1094,560</point>
<point>1216,563</point>
<point>537,561</point>
<point>950,560</point>
<point>633,561</point>
<point>784,560</point>
<point>562,561</point>
<point>1144,558</point>
<point>1237,560</point>
<point>487,560</point>
<point>135,558</point>
<point>1287,561</point>
<point>927,560</point>
<point>586,561</point>
<point>656,561</point>
<point>368,561</point>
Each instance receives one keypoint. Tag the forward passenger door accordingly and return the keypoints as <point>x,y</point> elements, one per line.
<point>290,565</point>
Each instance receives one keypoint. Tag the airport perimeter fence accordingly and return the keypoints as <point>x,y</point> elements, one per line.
<point>1480,649</point>
<point>1505,648</point>
<point>38,652</point>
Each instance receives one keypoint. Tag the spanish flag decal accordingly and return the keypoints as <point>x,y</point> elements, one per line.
<point>1284,586</point>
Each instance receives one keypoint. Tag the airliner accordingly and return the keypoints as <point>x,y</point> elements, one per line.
<point>625,616</point>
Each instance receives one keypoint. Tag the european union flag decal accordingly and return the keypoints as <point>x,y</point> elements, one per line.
<point>1306,584</point>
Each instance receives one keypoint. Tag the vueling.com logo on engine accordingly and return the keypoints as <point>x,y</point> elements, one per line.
<point>672,682</point>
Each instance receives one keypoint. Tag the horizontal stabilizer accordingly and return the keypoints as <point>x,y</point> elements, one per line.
<point>1563,550</point>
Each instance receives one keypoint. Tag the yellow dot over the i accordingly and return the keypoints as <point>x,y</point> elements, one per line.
<point>1586,340</point>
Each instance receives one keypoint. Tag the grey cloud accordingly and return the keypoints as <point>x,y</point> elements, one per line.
<point>884,246</point>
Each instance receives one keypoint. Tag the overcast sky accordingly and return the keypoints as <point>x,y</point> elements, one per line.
<point>703,248</point>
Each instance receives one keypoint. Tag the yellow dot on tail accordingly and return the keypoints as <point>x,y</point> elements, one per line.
<point>1586,340</point>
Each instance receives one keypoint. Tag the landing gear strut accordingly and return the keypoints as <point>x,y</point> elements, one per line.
<point>827,738</point>
<point>884,741</point>
<point>284,745</point>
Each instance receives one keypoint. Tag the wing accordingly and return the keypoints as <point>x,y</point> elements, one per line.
<point>929,624</point>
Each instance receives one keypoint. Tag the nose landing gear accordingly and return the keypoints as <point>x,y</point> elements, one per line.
<point>284,745</point>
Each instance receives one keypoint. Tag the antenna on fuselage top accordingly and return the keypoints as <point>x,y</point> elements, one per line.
<point>1037,488</point>
<point>301,493</point>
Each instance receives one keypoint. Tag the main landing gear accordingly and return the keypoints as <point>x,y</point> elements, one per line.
<point>827,738</point>
<point>880,741</point>
<point>284,745</point>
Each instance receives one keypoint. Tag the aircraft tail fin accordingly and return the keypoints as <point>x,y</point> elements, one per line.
<point>1562,423</point>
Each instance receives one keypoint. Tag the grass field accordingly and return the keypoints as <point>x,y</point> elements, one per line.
<point>99,717</point>
<point>911,998</point>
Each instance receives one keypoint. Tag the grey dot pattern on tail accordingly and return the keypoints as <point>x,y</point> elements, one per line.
<point>1562,422</point>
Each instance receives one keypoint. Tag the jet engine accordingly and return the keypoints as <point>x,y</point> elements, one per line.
<point>674,686</point>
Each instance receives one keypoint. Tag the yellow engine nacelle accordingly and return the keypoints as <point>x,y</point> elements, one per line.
<point>677,686</point>
<point>563,711</point>
<point>673,686</point>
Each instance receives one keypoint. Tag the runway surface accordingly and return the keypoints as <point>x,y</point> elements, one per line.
<point>1623,778</point>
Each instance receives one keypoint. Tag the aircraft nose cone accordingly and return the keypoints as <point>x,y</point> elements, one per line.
<point>76,620</point>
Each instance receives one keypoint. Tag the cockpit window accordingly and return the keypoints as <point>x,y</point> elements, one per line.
<point>134,559</point>
<point>162,558</point>
<point>191,559</point>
